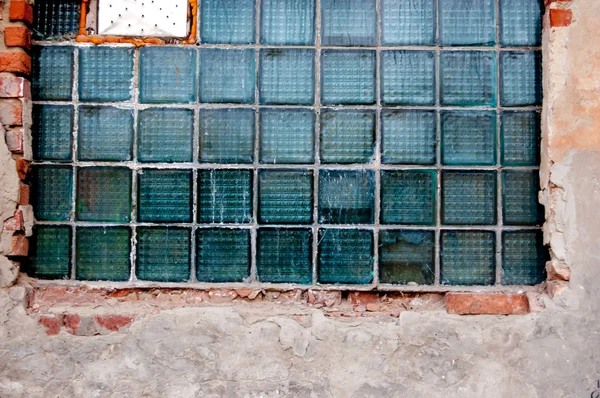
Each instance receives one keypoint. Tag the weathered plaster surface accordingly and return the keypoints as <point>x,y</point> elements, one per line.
<point>9,194</point>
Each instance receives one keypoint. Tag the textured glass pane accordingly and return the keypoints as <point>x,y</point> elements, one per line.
<point>227,76</point>
<point>408,197</point>
<point>406,256</point>
<point>520,138</point>
<point>285,196</point>
<point>468,138</point>
<point>467,22</point>
<point>222,255</point>
<point>348,23</point>
<point>105,74</point>
<point>469,197</point>
<point>163,254</point>
<point>408,78</point>
<point>468,258</point>
<point>521,78</point>
<point>284,255</point>
<point>520,204</point>
<point>227,21</point>
<point>290,22</point>
<point>408,22</point>
<point>468,78</point>
<point>165,135</point>
<point>52,192</point>
<point>51,252</point>
<point>103,254</point>
<point>105,133</point>
<point>347,77</point>
<point>346,196</point>
<point>167,74</point>
<point>287,136</point>
<point>52,131</point>
<point>104,194</point>
<point>51,72</point>
<point>408,136</point>
<point>227,135</point>
<point>347,136</point>
<point>521,22</point>
<point>523,258</point>
<point>165,195</point>
<point>55,18</point>
<point>345,256</point>
<point>225,196</point>
<point>287,76</point>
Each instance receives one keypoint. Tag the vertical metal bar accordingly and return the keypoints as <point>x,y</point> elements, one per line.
<point>438,137</point>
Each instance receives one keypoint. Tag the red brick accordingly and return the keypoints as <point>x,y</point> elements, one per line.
<point>15,62</point>
<point>21,11</point>
<point>556,288</point>
<point>72,322</point>
<point>11,112</point>
<point>324,297</point>
<point>14,87</point>
<point>560,18</point>
<point>20,246</point>
<point>52,323</point>
<point>486,304</point>
<point>548,2</point>
<point>14,140</point>
<point>24,193</point>
<point>23,168</point>
<point>17,36</point>
<point>363,297</point>
<point>113,322</point>
<point>15,223</point>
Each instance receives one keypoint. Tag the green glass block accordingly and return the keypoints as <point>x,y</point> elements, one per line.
<point>520,204</point>
<point>408,136</point>
<point>105,74</point>
<point>468,78</point>
<point>521,22</point>
<point>347,136</point>
<point>348,23</point>
<point>406,256</point>
<point>222,255</point>
<point>347,77</point>
<point>408,78</point>
<point>165,135</point>
<point>56,19</point>
<point>406,23</point>
<point>227,21</point>
<point>227,135</point>
<point>523,258</point>
<point>104,194</point>
<point>167,75</point>
<point>284,255</point>
<point>51,252</point>
<point>225,196</point>
<point>52,132</point>
<point>520,136</point>
<point>51,72</point>
<point>289,22</point>
<point>346,196</point>
<point>227,76</point>
<point>285,196</point>
<point>165,195</point>
<point>345,256</point>
<point>103,254</point>
<point>287,76</point>
<point>52,191</point>
<point>521,78</point>
<point>468,258</point>
<point>469,197</point>
<point>287,136</point>
<point>163,254</point>
<point>468,137</point>
<point>408,197</point>
<point>105,133</point>
<point>467,22</point>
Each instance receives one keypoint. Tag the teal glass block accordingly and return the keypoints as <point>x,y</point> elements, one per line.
<point>290,22</point>
<point>285,196</point>
<point>165,195</point>
<point>163,254</point>
<point>225,196</point>
<point>467,22</point>
<point>103,254</point>
<point>408,23</point>
<point>521,78</point>
<point>469,197</point>
<point>406,256</point>
<point>523,258</point>
<point>167,75</point>
<point>51,73</point>
<point>52,132</point>
<point>346,196</point>
<point>468,137</point>
<point>408,136</point>
<point>408,78</point>
<point>227,21</point>
<point>50,252</point>
<point>165,135</point>
<point>408,197</point>
<point>468,78</point>
<point>520,136</point>
<point>468,258</point>
<point>520,204</point>
<point>56,19</point>
<point>284,255</point>
<point>345,256</point>
<point>287,136</point>
<point>287,76</point>
<point>521,22</point>
<point>347,136</point>
<point>227,76</point>
<point>104,194</point>
<point>227,135</point>
<point>105,133</point>
<point>222,255</point>
<point>52,192</point>
<point>347,77</point>
<point>105,74</point>
<point>348,23</point>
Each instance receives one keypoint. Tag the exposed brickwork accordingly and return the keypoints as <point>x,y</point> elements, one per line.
<point>17,36</point>
<point>15,62</point>
<point>14,87</point>
<point>548,2</point>
<point>560,18</point>
<point>486,304</point>
<point>21,11</point>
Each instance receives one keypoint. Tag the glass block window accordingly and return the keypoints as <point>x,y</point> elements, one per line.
<point>371,143</point>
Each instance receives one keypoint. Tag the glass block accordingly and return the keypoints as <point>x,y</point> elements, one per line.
<point>467,22</point>
<point>105,74</point>
<point>51,72</point>
<point>165,135</point>
<point>347,77</point>
<point>167,74</point>
<point>406,256</point>
<point>227,76</point>
<point>408,78</point>
<point>346,196</point>
<point>287,136</point>
<point>468,78</point>
<point>523,258</point>
<point>406,23</point>
<point>227,21</point>
<point>225,196</point>
<point>52,192</point>
<point>469,197</point>
<point>52,132</point>
<point>468,258</point>
<point>345,256</point>
<point>408,136</point>
<point>285,196</point>
<point>348,23</point>
<point>227,135</point>
<point>103,254</point>
<point>520,204</point>
<point>408,197</point>
<point>163,254</point>
<point>104,194</point>
<point>51,252</point>
<point>284,255</point>
<point>347,136</point>
<point>165,195</point>
<point>521,78</point>
<point>287,76</point>
<point>105,133</point>
<point>468,137</point>
<point>521,22</point>
<point>56,19</point>
<point>520,136</point>
<point>222,255</point>
<point>290,22</point>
